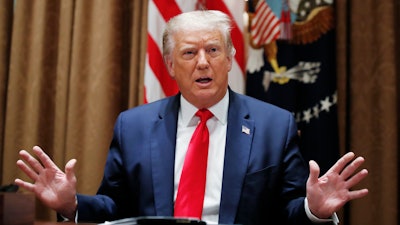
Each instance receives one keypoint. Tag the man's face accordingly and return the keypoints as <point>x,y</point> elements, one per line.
<point>200,64</point>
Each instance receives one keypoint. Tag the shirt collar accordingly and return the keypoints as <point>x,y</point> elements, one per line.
<point>219,110</point>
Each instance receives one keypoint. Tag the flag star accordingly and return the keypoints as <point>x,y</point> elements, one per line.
<point>316,111</point>
<point>307,116</point>
<point>326,104</point>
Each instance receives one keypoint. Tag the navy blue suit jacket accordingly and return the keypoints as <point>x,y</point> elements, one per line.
<point>264,174</point>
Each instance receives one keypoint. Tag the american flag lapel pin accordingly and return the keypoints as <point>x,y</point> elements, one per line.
<point>245,130</point>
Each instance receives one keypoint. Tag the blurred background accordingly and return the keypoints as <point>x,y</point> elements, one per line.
<point>68,68</point>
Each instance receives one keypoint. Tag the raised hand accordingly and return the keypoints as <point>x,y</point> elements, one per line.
<point>330,192</point>
<point>53,187</point>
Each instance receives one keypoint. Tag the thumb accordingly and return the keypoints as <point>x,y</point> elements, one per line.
<point>314,172</point>
<point>69,169</point>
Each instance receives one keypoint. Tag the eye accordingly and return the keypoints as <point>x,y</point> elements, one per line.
<point>213,51</point>
<point>188,54</point>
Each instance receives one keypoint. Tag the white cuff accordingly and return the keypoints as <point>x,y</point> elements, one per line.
<point>334,219</point>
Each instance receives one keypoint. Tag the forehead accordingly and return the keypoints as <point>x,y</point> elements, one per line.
<point>198,37</point>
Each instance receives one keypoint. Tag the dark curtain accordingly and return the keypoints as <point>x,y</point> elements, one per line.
<point>368,96</point>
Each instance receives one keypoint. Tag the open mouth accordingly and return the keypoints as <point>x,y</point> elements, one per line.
<point>203,80</point>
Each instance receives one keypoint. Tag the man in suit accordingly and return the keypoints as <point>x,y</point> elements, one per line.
<point>255,173</point>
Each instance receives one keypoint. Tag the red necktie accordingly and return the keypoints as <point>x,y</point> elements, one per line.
<point>192,185</point>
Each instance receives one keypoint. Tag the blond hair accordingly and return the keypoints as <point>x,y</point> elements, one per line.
<point>198,20</point>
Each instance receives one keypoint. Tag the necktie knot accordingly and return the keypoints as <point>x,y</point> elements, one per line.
<point>204,115</point>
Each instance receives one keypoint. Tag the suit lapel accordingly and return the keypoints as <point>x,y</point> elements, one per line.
<point>238,144</point>
<point>163,157</point>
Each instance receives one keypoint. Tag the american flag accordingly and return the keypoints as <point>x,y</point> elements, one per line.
<point>265,26</point>
<point>157,82</point>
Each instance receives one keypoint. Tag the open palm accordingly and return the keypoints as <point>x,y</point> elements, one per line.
<point>52,186</point>
<point>330,192</point>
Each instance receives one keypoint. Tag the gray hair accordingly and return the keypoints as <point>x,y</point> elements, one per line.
<point>198,20</point>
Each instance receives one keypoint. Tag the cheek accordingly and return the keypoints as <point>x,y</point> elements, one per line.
<point>184,69</point>
<point>224,66</point>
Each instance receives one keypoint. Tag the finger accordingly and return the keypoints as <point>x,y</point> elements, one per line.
<point>314,172</point>
<point>44,158</point>
<point>357,178</point>
<point>357,194</point>
<point>341,163</point>
<point>69,170</point>
<point>27,170</point>
<point>31,161</point>
<point>352,167</point>
<point>25,185</point>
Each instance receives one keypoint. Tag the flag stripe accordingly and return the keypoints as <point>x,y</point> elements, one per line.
<point>265,25</point>
<point>155,60</point>
<point>151,81</point>
<point>170,7</point>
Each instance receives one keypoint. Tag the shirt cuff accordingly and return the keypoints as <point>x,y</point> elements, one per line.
<point>67,220</point>
<point>76,213</point>
<point>334,219</point>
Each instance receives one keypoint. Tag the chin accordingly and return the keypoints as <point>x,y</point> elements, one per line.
<point>207,98</point>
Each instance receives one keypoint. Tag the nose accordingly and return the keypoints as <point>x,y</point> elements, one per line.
<point>202,60</point>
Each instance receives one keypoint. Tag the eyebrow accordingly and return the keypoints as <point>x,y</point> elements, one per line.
<point>190,45</point>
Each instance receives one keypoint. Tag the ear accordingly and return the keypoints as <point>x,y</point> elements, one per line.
<point>169,63</point>
<point>229,65</point>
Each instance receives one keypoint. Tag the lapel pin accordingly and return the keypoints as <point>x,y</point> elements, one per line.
<point>245,130</point>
